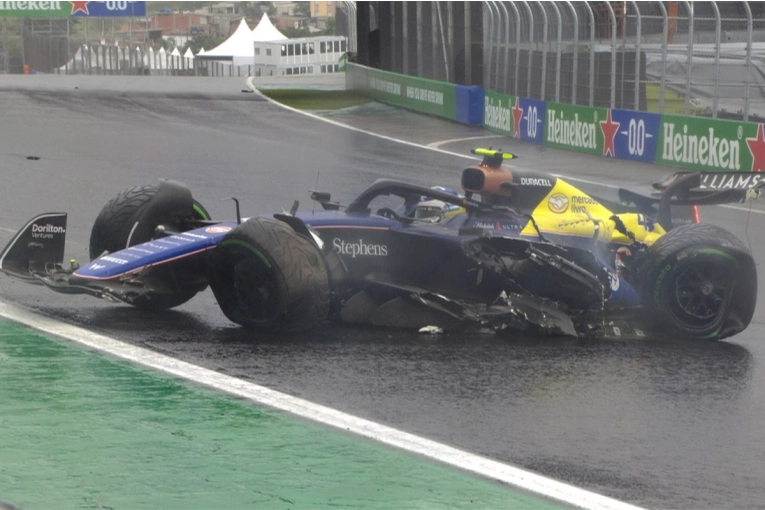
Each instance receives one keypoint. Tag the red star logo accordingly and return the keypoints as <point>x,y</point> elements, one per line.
<point>80,6</point>
<point>609,129</point>
<point>757,148</point>
<point>517,116</point>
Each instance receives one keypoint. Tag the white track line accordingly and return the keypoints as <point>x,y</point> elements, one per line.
<point>516,477</point>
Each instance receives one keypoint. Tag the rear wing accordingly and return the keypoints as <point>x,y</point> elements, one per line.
<point>38,246</point>
<point>696,188</point>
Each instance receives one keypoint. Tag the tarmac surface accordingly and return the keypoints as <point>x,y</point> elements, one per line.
<point>662,425</point>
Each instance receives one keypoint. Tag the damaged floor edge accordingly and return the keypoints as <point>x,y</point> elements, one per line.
<point>481,466</point>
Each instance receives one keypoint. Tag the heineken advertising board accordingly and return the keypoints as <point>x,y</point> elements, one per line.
<point>623,134</point>
<point>575,128</point>
<point>711,145</point>
<point>514,116</point>
<point>76,9</point>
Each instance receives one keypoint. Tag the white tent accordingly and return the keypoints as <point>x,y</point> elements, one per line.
<point>189,57</point>
<point>234,46</point>
<point>239,47</point>
<point>266,31</point>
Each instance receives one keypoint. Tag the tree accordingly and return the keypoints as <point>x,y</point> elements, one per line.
<point>296,33</point>
<point>203,41</point>
<point>329,26</point>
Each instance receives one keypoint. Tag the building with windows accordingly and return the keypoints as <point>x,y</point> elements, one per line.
<point>323,54</point>
<point>323,10</point>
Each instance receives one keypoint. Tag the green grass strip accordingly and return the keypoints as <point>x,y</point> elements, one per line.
<point>316,99</point>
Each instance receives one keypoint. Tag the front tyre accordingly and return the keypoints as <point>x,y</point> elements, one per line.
<point>699,282</point>
<point>268,277</point>
<point>117,227</point>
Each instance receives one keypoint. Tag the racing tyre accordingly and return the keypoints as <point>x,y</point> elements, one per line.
<point>114,224</point>
<point>115,229</point>
<point>268,277</point>
<point>700,282</point>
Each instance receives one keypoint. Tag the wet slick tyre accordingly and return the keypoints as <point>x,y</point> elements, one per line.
<point>700,282</point>
<point>268,277</point>
<point>115,229</point>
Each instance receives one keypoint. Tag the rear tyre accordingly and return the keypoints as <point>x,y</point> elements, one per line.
<point>268,277</point>
<point>114,230</point>
<point>700,282</point>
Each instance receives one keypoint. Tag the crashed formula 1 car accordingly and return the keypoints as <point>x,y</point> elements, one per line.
<point>514,251</point>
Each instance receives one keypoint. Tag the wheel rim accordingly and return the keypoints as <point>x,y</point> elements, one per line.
<point>701,290</point>
<point>257,290</point>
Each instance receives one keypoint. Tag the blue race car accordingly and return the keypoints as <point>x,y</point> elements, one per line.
<point>514,251</point>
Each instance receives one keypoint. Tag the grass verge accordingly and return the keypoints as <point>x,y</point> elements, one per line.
<point>316,99</point>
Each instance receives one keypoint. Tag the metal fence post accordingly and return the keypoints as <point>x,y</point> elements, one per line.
<point>592,54</point>
<point>748,59</point>
<point>664,43</point>
<point>531,45</point>
<point>405,37</point>
<point>517,46</point>
<point>557,52</point>
<point>638,37</point>
<point>488,40</point>
<point>443,41</point>
<point>576,53</point>
<point>612,103</point>
<point>718,36</point>
<point>543,94</point>
<point>418,15</point>
<point>505,45</point>
<point>689,65</point>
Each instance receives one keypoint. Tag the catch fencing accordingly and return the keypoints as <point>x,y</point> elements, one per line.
<point>687,58</point>
<point>672,57</point>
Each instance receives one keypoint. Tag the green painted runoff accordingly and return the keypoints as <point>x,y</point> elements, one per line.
<point>82,430</point>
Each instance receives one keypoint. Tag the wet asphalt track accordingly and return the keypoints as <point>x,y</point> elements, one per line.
<point>656,424</point>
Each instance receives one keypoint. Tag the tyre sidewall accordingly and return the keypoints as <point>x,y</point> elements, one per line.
<point>293,265</point>
<point>677,252</point>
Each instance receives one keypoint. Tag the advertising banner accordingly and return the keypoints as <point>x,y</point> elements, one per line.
<point>628,134</point>
<point>32,9</point>
<point>35,9</point>
<point>711,145</point>
<point>577,128</point>
<point>419,94</point>
<point>108,9</point>
<point>514,116</point>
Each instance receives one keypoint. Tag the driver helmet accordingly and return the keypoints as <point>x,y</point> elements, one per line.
<point>435,211</point>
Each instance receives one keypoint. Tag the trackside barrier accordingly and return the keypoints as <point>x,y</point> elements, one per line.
<point>447,100</point>
<point>695,143</point>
